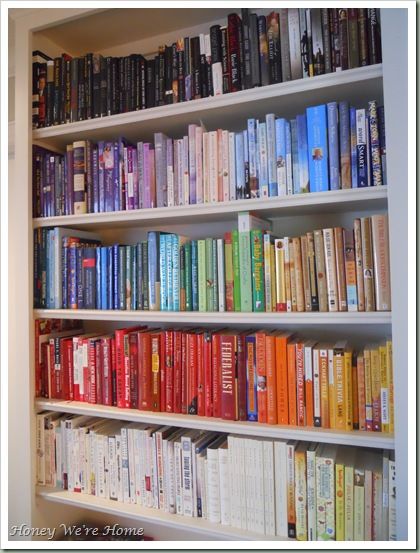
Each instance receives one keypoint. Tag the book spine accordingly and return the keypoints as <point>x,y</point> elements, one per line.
<point>343,38</point>
<point>375,155</point>
<point>261,370</point>
<point>341,276</point>
<point>252,406</point>
<point>215,373</point>
<point>330,266</point>
<point>374,36</point>
<point>363,36</point>
<point>350,270</point>
<point>284,45</point>
<point>333,146</point>
<point>257,264</point>
<point>317,147</point>
<point>273,40</point>
<point>381,263</point>
<point>302,140</point>
<point>353,38</point>
<point>368,261</point>
<point>228,377</point>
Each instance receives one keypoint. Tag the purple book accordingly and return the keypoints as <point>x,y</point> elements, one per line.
<point>95,176</point>
<point>147,200</point>
<point>108,164</point>
<point>140,173</point>
<point>119,176</point>
<point>69,180</point>
<point>101,177</point>
<point>51,187</point>
<point>89,176</point>
<point>160,167</point>
<point>133,157</point>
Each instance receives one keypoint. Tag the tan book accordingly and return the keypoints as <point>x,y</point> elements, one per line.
<point>350,270</point>
<point>273,279</point>
<point>380,244</point>
<point>287,274</point>
<point>292,274</point>
<point>300,298</point>
<point>321,280</point>
<point>280,276</point>
<point>340,267</point>
<point>312,271</point>
<point>362,499</point>
<point>330,269</point>
<point>359,265</point>
<point>305,270</point>
<point>301,492</point>
<point>367,259</point>
<point>325,491</point>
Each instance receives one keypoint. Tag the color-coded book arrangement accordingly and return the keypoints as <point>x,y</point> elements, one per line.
<point>332,269</point>
<point>329,147</point>
<point>307,491</point>
<point>255,50</point>
<point>272,377</point>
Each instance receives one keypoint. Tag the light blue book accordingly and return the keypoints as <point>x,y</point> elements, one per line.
<point>240,167</point>
<point>270,121</point>
<point>295,156</point>
<point>252,153</point>
<point>318,148</point>
<point>333,146</point>
<point>194,275</point>
<point>172,257</point>
<point>104,296</point>
<point>263,159</point>
<point>163,273</point>
<point>153,269</point>
<point>353,147</point>
<point>281,172</point>
<point>289,164</point>
<point>302,138</point>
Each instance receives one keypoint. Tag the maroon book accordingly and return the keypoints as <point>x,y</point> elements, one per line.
<point>177,362</point>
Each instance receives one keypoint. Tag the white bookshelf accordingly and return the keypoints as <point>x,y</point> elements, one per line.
<point>51,30</point>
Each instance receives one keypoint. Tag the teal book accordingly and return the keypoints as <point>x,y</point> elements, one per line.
<point>145,283</point>
<point>122,271</point>
<point>128,267</point>
<point>154,270</point>
<point>170,271</point>
<point>181,306</point>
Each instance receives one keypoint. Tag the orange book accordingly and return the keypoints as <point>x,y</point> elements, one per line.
<point>309,383</point>
<point>355,391</point>
<point>261,377</point>
<point>281,339</point>
<point>339,380</point>
<point>270,363</point>
<point>291,380</point>
<point>300,383</point>
<point>361,396</point>
<point>348,390</point>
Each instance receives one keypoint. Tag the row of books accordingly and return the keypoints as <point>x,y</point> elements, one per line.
<point>332,269</point>
<point>301,490</point>
<point>329,147</point>
<point>256,50</point>
<point>272,377</point>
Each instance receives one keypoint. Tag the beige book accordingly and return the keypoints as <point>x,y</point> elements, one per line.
<point>300,299</point>
<point>380,243</point>
<point>325,491</point>
<point>305,271</point>
<point>312,271</point>
<point>321,279</point>
<point>292,274</point>
<point>340,267</point>
<point>359,265</point>
<point>367,258</point>
<point>300,492</point>
<point>330,269</point>
<point>287,274</point>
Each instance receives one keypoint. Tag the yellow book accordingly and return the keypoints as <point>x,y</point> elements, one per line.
<point>390,371</point>
<point>375,372</point>
<point>268,272</point>
<point>273,277</point>
<point>348,387</point>
<point>331,387</point>
<point>280,276</point>
<point>339,501</point>
<point>300,492</point>
<point>368,390</point>
<point>349,495</point>
<point>339,380</point>
<point>384,388</point>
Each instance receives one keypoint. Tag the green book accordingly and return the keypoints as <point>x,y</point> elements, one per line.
<point>236,271</point>
<point>209,274</point>
<point>202,292</point>
<point>257,263</point>
<point>134,276</point>
<point>182,278</point>
<point>122,270</point>
<point>188,279</point>
<point>128,277</point>
<point>215,278</point>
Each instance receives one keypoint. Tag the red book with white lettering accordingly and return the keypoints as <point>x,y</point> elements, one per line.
<point>107,369</point>
<point>169,370</point>
<point>99,370</point>
<point>184,369</point>
<point>208,382</point>
<point>162,373</point>
<point>200,375</point>
<point>145,370</point>
<point>177,362</point>
<point>134,369</point>
<point>227,363</point>
<point>191,362</point>
<point>67,350</point>
<point>122,359</point>
<point>216,373</point>
<point>241,370</point>
<point>156,366</point>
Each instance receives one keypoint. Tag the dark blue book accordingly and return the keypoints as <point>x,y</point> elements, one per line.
<point>139,271</point>
<point>79,278</point>
<point>110,278</point>
<point>98,281</point>
<point>333,146</point>
<point>103,287</point>
<point>134,277</point>
<point>115,262</point>
<point>89,277</point>
<point>194,274</point>
<point>362,164</point>
<point>318,147</point>
<point>122,272</point>
<point>382,142</point>
<point>353,147</point>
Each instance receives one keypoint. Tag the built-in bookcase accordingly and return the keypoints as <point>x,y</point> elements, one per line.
<point>77,31</point>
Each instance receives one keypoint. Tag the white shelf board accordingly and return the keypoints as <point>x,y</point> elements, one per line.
<point>202,529</point>
<point>361,199</point>
<point>355,438</point>
<point>223,318</point>
<point>228,110</point>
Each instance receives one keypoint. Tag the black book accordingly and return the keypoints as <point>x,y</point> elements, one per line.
<point>89,86</point>
<point>353,38</point>
<point>207,50</point>
<point>246,49</point>
<point>161,79</point>
<point>317,43</point>
<point>255,54</point>
<point>187,69</point>
<point>216,59</point>
<point>121,86</point>
<point>263,50</point>
<point>326,40</point>
<point>195,67</point>
<point>169,95</point>
<point>225,59</point>
<point>180,64</point>
<point>241,47</point>
<point>49,98</point>
<point>66,90</point>
<point>135,82</point>
<point>273,40</point>
<point>363,37</point>
<point>115,85</point>
<point>203,68</point>
<point>142,77</point>
<point>39,76</point>
<point>150,83</point>
<point>81,98</point>
<point>156,80</point>
<point>108,69</point>
<point>57,91</point>
<point>74,89</point>
<point>374,36</point>
<point>127,84</point>
<point>103,92</point>
<point>286,71</point>
<point>174,72</point>
<point>96,65</point>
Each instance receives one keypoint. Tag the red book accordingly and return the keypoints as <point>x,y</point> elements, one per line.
<point>106,371</point>
<point>177,362</point>
<point>281,339</point>
<point>85,371</point>
<point>53,372</point>
<point>169,370</point>
<point>192,372</point>
<point>228,375</point>
<point>184,383</point>
<point>291,381</point>
<point>44,356</point>
<point>216,373</point>
<point>91,372</point>
<point>145,370</point>
<point>67,352</point>
<point>208,382</point>
<point>134,369</point>
<point>241,370</point>
<point>261,377</point>
<point>162,374</point>
<point>156,367</point>
<point>99,365</point>
<point>200,375</point>
<point>300,383</point>
<point>122,359</point>
<point>113,372</point>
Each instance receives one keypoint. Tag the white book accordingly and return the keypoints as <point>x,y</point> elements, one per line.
<point>269,488</point>
<point>263,159</point>
<point>235,519</point>
<point>217,75</point>
<point>192,162</point>
<point>392,506</point>
<point>225,165</point>
<point>385,494</point>
<point>221,273</point>
<point>258,461</point>
<point>178,478</point>
<point>112,468</point>
<point>242,482</point>
<point>154,473</point>
<point>100,465</point>
<point>170,173</point>
<point>138,454</point>
<point>124,463</point>
<point>330,269</point>
<point>185,172</point>
<point>232,167</point>
<point>325,491</point>
<point>311,490</point>
<point>159,436</point>
<point>201,482</point>
<point>131,464</point>
<point>199,164</point>
<point>291,482</point>
<point>206,168</point>
<point>205,488</point>
<point>249,480</point>
<point>294,43</point>
<point>118,465</point>
<point>213,167</point>
<point>187,488</point>
<point>213,480</point>
<point>280,454</point>
<point>40,448</point>
<point>224,484</point>
<point>179,181</point>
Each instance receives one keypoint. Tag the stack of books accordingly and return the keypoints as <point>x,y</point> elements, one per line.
<point>302,490</point>
<point>255,50</point>
<point>329,147</point>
